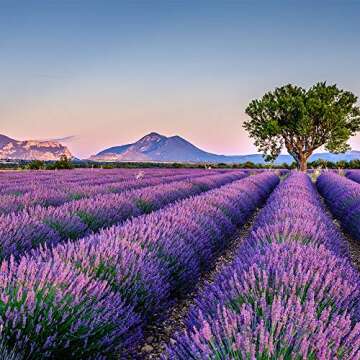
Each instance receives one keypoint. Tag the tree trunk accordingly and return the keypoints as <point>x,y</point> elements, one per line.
<point>303,164</point>
<point>300,157</point>
<point>302,161</point>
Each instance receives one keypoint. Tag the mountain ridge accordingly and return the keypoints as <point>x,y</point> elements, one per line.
<point>12,149</point>
<point>155,147</point>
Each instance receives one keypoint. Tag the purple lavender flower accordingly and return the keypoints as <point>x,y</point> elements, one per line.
<point>289,300</point>
<point>94,295</point>
<point>343,198</point>
<point>27,229</point>
<point>290,293</point>
<point>47,309</point>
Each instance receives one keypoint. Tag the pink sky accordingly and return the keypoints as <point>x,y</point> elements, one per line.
<point>211,121</point>
<point>98,123</point>
<point>111,74</point>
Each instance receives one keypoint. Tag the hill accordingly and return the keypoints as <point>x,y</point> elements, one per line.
<point>31,149</point>
<point>159,148</point>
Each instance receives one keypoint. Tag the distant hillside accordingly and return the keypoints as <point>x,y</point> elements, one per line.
<point>159,148</point>
<point>4,140</point>
<point>31,149</point>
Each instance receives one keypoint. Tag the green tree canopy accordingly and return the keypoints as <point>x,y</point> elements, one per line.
<point>36,165</point>
<point>303,120</point>
<point>63,163</point>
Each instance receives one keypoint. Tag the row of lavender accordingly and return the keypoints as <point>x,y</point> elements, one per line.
<point>343,198</point>
<point>353,175</point>
<point>291,292</point>
<point>20,232</point>
<point>43,194</point>
<point>77,181</point>
<point>92,297</point>
<point>19,183</point>
<point>29,179</point>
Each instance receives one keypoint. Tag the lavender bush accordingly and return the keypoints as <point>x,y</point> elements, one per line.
<point>291,292</point>
<point>49,311</point>
<point>76,219</point>
<point>343,198</point>
<point>55,191</point>
<point>295,213</point>
<point>353,175</point>
<point>273,309</point>
<point>101,290</point>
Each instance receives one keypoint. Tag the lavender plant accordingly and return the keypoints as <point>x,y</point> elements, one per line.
<point>39,225</point>
<point>52,191</point>
<point>100,291</point>
<point>290,293</point>
<point>295,213</point>
<point>353,175</point>
<point>343,198</point>
<point>49,311</point>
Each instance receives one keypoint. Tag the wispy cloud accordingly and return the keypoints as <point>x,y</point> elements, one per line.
<point>62,139</point>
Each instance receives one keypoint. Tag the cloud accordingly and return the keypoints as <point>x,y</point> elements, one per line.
<point>63,139</point>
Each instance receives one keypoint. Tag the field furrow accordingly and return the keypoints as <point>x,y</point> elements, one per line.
<point>20,232</point>
<point>158,335</point>
<point>54,195</point>
<point>96,295</point>
<point>290,293</point>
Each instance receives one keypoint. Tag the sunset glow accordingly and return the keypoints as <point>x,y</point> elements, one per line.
<point>107,73</point>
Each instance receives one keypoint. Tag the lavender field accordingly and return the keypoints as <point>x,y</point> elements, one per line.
<point>179,264</point>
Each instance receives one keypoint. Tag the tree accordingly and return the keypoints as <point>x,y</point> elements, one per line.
<point>249,165</point>
<point>302,121</point>
<point>63,163</point>
<point>36,165</point>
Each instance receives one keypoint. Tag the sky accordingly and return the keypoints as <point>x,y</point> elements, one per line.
<point>95,74</point>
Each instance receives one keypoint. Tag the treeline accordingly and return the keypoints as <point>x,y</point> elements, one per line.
<point>62,163</point>
<point>65,163</point>
<point>323,164</point>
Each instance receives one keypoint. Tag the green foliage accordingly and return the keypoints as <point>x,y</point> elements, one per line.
<point>63,163</point>
<point>47,316</point>
<point>249,165</point>
<point>8,354</point>
<point>90,220</point>
<point>36,165</point>
<point>145,206</point>
<point>325,164</point>
<point>303,120</point>
<point>353,164</point>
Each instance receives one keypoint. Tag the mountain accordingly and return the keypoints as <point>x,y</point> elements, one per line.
<point>31,149</point>
<point>156,147</point>
<point>159,148</point>
<point>4,140</point>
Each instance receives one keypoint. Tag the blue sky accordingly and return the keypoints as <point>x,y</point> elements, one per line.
<point>107,72</point>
